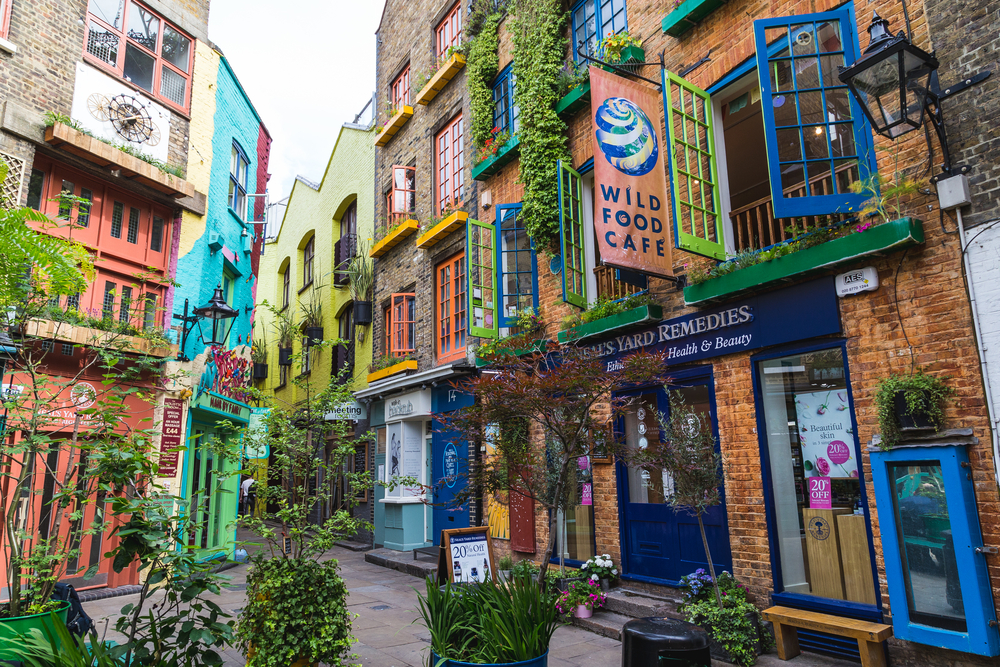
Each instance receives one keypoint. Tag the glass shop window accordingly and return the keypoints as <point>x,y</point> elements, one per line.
<point>814,466</point>
<point>575,523</point>
<point>933,594</point>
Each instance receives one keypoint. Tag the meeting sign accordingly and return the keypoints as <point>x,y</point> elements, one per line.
<point>629,176</point>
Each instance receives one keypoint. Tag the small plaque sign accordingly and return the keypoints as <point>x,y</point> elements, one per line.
<point>856,281</point>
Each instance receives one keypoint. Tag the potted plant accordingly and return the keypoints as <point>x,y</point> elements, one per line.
<point>285,333</point>
<point>361,272</point>
<point>622,49</point>
<point>561,579</point>
<point>581,599</point>
<point>311,324</point>
<point>258,354</point>
<point>910,403</point>
<point>489,623</point>
<point>734,629</point>
<point>601,569</point>
<point>504,568</point>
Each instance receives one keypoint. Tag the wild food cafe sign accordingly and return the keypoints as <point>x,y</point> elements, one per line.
<point>794,313</point>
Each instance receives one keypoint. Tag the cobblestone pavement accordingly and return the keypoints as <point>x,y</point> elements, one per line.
<point>386,604</point>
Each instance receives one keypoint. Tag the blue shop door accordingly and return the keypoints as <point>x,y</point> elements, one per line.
<point>451,456</point>
<point>660,545</point>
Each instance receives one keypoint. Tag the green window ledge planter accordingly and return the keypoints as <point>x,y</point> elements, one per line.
<point>687,15</point>
<point>492,165</point>
<point>574,101</point>
<point>606,325</point>
<point>880,240</point>
<point>537,346</point>
<point>10,628</point>
<point>540,661</point>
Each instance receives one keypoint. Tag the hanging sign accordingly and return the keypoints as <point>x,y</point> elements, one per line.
<point>171,436</point>
<point>467,554</point>
<point>629,178</point>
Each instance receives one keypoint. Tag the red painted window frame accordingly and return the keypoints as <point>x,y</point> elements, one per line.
<point>393,214</point>
<point>5,6</point>
<point>449,336</point>
<point>400,329</point>
<point>449,31</point>
<point>160,61</point>
<point>449,162</point>
<point>399,91</point>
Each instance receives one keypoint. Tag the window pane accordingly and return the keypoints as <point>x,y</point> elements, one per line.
<point>35,187</point>
<point>176,49</point>
<point>83,217</point>
<point>143,27</point>
<point>933,595</point>
<point>646,485</point>
<point>108,307</point>
<point>139,67</point>
<point>103,44</point>
<point>125,314</point>
<point>156,237</point>
<point>109,11</point>
<point>117,215</point>
<point>65,209</point>
<point>173,86</point>
<point>133,225</point>
<point>149,316</point>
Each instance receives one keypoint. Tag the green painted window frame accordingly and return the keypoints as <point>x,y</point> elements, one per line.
<point>481,272</point>
<point>574,270</point>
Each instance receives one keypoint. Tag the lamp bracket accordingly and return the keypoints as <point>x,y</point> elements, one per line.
<point>935,95</point>
<point>956,88</point>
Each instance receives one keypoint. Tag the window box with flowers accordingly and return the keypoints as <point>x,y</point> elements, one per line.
<point>393,236</point>
<point>450,64</point>
<point>606,316</point>
<point>441,227</point>
<point>526,341</point>
<point>393,125</point>
<point>498,151</point>
<point>687,14</point>
<point>574,101</point>
<point>390,365</point>
<point>623,50</point>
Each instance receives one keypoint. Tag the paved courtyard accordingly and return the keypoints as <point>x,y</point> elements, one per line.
<point>385,601</point>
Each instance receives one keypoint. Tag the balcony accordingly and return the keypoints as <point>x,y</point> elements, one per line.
<point>446,73</point>
<point>393,237</point>
<point>394,125</point>
<point>87,336</point>
<point>610,287</point>
<point>438,232</point>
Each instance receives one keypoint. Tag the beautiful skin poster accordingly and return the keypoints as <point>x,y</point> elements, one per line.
<point>826,434</point>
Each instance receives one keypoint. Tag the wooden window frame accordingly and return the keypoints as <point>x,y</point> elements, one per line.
<point>505,112</point>
<point>5,7</point>
<point>449,31</point>
<point>308,257</point>
<point>238,181</point>
<point>449,162</point>
<point>399,91</point>
<point>450,308</point>
<point>400,330</point>
<point>603,24</point>
<point>286,287</point>
<point>159,61</point>
<point>406,193</point>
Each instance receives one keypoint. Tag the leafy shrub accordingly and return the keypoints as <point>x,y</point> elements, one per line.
<point>923,393</point>
<point>605,307</point>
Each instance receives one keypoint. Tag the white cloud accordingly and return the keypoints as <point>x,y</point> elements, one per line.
<point>307,65</point>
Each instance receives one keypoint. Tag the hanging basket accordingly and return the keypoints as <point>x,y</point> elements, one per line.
<point>259,371</point>
<point>362,312</point>
<point>284,356</point>
<point>314,334</point>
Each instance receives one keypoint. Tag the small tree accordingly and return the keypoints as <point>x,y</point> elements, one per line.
<point>688,455</point>
<point>566,395</point>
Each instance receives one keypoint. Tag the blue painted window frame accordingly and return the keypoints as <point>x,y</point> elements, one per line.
<point>974,582</point>
<point>503,318</point>
<point>616,21</point>
<point>785,207</point>
<point>798,600</point>
<point>506,115</point>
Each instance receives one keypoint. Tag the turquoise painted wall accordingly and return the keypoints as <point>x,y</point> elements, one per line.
<point>202,268</point>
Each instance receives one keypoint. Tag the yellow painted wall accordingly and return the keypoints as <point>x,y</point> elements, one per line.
<point>349,176</point>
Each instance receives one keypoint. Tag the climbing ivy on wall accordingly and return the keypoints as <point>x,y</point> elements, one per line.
<point>539,50</point>
<point>481,66</point>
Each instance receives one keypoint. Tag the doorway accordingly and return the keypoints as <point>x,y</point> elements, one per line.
<point>213,493</point>
<point>660,545</point>
<point>448,469</point>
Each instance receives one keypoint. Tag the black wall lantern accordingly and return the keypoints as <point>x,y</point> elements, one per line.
<point>217,311</point>
<point>895,82</point>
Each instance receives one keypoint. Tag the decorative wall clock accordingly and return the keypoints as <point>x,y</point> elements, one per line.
<point>128,115</point>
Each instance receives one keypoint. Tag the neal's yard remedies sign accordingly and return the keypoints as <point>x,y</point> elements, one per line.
<point>629,178</point>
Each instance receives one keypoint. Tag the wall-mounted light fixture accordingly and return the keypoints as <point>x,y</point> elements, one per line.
<point>217,310</point>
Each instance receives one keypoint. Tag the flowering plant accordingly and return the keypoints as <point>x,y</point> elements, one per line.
<point>581,594</point>
<point>698,587</point>
<point>600,568</point>
<point>610,48</point>
<point>496,141</point>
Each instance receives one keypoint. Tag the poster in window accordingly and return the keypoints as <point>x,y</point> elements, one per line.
<point>413,462</point>
<point>826,434</point>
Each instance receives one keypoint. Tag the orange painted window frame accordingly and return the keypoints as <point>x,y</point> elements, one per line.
<point>449,159</point>
<point>449,30</point>
<point>159,61</point>
<point>5,6</point>
<point>401,200</point>
<point>400,324</point>
<point>450,306</point>
<point>399,91</point>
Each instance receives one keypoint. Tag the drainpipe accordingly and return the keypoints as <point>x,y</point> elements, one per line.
<point>982,348</point>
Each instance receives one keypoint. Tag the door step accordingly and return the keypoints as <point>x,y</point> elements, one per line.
<point>624,604</point>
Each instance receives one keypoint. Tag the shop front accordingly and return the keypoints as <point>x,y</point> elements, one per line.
<point>449,463</point>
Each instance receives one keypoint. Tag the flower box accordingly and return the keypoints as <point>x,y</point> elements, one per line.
<point>492,165</point>
<point>880,240</point>
<point>86,336</point>
<point>439,231</point>
<point>401,367</point>
<point>632,54</point>
<point>687,15</point>
<point>394,125</point>
<point>437,83</point>
<point>574,101</point>
<point>539,345</point>
<point>392,239</point>
<point>627,320</point>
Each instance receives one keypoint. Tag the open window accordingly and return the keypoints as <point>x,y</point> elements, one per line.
<point>755,155</point>
<point>480,253</point>
<point>401,200</point>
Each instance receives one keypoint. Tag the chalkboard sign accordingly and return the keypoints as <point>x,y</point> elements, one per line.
<point>288,545</point>
<point>467,555</point>
<point>361,466</point>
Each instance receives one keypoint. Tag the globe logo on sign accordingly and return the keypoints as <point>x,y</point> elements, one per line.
<point>626,136</point>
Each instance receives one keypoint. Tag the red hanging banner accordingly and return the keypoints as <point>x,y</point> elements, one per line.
<point>631,210</point>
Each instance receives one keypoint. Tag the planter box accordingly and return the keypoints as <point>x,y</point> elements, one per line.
<point>314,334</point>
<point>394,125</point>
<point>627,320</point>
<point>362,312</point>
<point>687,15</point>
<point>492,165</point>
<point>408,365</point>
<point>79,335</point>
<point>574,101</point>
<point>10,628</point>
<point>439,231</point>
<point>259,371</point>
<point>284,356</point>
<point>392,239</point>
<point>440,79</point>
<point>884,239</point>
<point>538,346</point>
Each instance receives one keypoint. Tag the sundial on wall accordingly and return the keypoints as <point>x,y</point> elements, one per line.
<point>128,115</point>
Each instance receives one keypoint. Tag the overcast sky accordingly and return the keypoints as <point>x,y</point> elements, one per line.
<point>308,69</point>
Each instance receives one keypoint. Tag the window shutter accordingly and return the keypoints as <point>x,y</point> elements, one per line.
<point>818,141</point>
<point>694,176</point>
<point>571,236</point>
<point>482,275</point>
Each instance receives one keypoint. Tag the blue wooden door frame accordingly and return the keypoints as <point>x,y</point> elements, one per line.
<point>799,600</point>
<point>446,513</point>
<point>721,552</point>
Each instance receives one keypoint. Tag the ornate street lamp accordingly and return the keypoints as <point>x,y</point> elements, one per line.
<point>894,82</point>
<point>217,310</point>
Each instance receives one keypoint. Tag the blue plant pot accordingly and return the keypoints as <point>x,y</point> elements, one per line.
<point>540,661</point>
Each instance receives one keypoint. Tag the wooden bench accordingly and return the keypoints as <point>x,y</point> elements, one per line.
<point>869,635</point>
<point>427,551</point>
